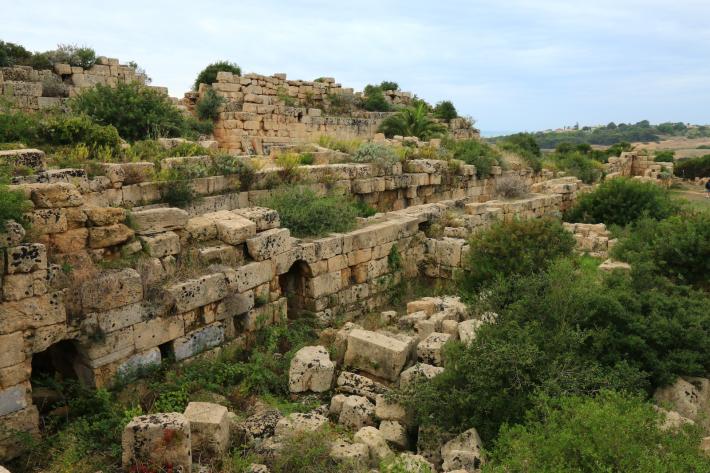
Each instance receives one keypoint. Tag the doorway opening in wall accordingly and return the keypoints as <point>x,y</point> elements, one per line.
<point>52,369</point>
<point>293,286</point>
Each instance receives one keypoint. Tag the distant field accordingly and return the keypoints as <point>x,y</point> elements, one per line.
<point>692,194</point>
<point>683,147</point>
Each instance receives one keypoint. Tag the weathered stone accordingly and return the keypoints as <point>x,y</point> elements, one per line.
<point>12,234</point>
<point>611,265</point>
<point>159,220</point>
<point>55,195</point>
<point>198,292</point>
<point>198,341</point>
<point>14,398</point>
<point>430,349</point>
<point>356,412</point>
<point>463,452</point>
<point>249,276</point>
<point>103,237</point>
<point>415,463</point>
<point>376,353</point>
<point>71,241</point>
<point>209,427</point>
<point>25,157</point>
<point>234,305</point>
<point>25,421</point>
<point>298,423</point>
<point>157,331</point>
<point>157,440</point>
<point>19,286</point>
<point>336,405</point>
<point>234,229</point>
<point>359,385</point>
<point>690,397</point>
<point>46,221</point>
<point>376,444</point>
<point>12,351</point>
<point>140,361</point>
<point>111,289</point>
<point>201,228</point>
<point>259,425</point>
<point>263,217</point>
<point>427,305</point>
<point>467,330</point>
<point>269,243</point>
<point>161,244</point>
<point>388,410</point>
<point>394,433</point>
<point>311,370</point>
<point>355,454</point>
<point>32,312</point>
<point>26,258</point>
<point>103,216</point>
<point>419,370</point>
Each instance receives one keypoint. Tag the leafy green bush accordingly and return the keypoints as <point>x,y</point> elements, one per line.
<point>77,56</point>
<point>75,129</point>
<point>374,153</point>
<point>693,167</point>
<point>137,112</point>
<point>609,432</point>
<point>445,110</point>
<point>209,74</point>
<point>12,54</point>
<point>16,55</point>
<point>677,248</point>
<point>20,127</point>
<point>514,248</point>
<point>226,165</point>
<point>412,121</point>
<point>578,164</point>
<point>474,152</point>
<point>621,201</point>
<point>665,156</point>
<point>374,100</point>
<point>307,159</point>
<point>389,85</point>
<point>13,204</point>
<point>208,105</point>
<point>523,144</point>
<point>307,214</point>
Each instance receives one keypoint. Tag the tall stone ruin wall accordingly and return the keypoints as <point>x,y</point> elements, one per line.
<point>256,116</point>
<point>632,164</point>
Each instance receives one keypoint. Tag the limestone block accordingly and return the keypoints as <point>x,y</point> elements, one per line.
<point>269,243</point>
<point>249,276</point>
<point>15,374</point>
<point>467,330</point>
<point>111,289</point>
<point>376,444</point>
<point>161,244</point>
<point>12,234</point>
<point>195,293</point>
<point>356,412</point>
<point>235,304</point>
<point>448,251</point>
<point>201,228</point>
<point>27,421</point>
<point>235,230</point>
<point>26,258</point>
<point>140,361</point>
<point>359,385</point>
<point>298,423</point>
<point>689,397</point>
<point>416,463</point>
<point>19,286</point>
<point>394,433</point>
<point>55,195</point>
<point>152,333</point>
<point>336,405</point>
<point>45,221</point>
<point>260,425</point>
<point>157,440</point>
<point>463,452</point>
<point>324,284</point>
<point>427,305</point>
<point>209,427</point>
<point>159,220</point>
<point>417,371</point>
<point>387,410</point>
<point>356,454</point>
<point>611,265</point>
<point>14,398</point>
<point>311,370</point>
<point>42,338</point>
<point>32,312</point>
<point>412,319</point>
<point>26,157</point>
<point>376,353</point>
<point>264,218</point>
<point>102,237</point>
<point>12,351</point>
<point>430,349</point>
<point>103,216</point>
<point>198,341</point>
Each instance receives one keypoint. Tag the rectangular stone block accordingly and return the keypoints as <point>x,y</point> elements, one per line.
<point>20,286</point>
<point>12,351</point>
<point>376,353</point>
<point>118,318</point>
<point>264,218</point>
<point>26,258</point>
<point>32,312</point>
<point>111,289</point>
<point>269,243</point>
<point>249,276</point>
<point>140,361</point>
<point>152,221</point>
<point>198,292</point>
<point>152,333</point>
<point>161,244</point>
<point>14,398</point>
<point>235,230</point>
<point>198,341</point>
<point>55,195</point>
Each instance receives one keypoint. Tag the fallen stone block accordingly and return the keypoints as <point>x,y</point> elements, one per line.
<point>355,454</point>
<point>376,444</point>
<point>157,440</point>
<point>467,330</point>
<point>376,353</point>
<point>311,370</point>
<point>356,412</point>
<point>430,349</point>
<point>394,433</point>
<point>463,452</point>
<point>419,370</point>
<point>161,244</point>
<point>299,423</point>
<point>209,427</point>
<point>359,385</point>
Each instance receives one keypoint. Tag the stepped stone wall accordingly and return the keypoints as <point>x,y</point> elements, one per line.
<point>105,285</point>
<point>632,164</point>
<point>30,90</point>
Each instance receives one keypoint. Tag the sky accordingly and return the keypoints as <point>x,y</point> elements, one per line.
<point>512,65</point>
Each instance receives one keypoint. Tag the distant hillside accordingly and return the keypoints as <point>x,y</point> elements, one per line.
<point>612,134</point>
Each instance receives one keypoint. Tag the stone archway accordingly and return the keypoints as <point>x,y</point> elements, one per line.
<point>293,287</point>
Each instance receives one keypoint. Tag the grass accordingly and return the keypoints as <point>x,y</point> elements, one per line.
<point>691,196</point>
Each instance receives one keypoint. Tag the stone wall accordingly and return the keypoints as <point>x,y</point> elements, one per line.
<point>265,111</point>
<point>632,164</point>
<point>30,90</point>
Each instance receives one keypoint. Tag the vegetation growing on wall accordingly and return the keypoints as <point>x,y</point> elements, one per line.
<point>12,54</point>
<point>208,75</point>
<point>412,121</point>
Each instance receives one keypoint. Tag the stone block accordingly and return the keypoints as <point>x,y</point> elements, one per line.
<point>359,385</point>
<point>387,410</point>
<point>14,398</point>
<point>264,218</point>
<point>12,351</point>
<point>356,412</point>
<point>27,421</point>
<point>46,221</point>
<point>198,341</point>
<point>71,241</point>
<point>12,234</point>
<point>420,370</point>
<point>356,454</point>
<point>297,423</point>
<point>159,220</point>
<point>195,293</point>
<point>427,305</point>
<point>463,452</point>
<point>235,230</point>
<point>32,312</point>
<point>467,330</point>
<point>394,433</point>
<point>103,216</point>
<point>20,286</point>
<point>161,244</point>
<point>154,332</point>
<point>429,350</point>
<point>249,276</point>
<point>377,354</point>
<point>26,157</point>
<point>26,258</point>
<point>234,305</point>
<point>111,289</point>
<point>209,427</point>
<point>157,441</point>
<point>140,361</point>
<point>311,370</point>
<point>269,243</point>
<point>55,195</point>
<point>15,374</point>
<point>376,444</point>
<point>103,237</point>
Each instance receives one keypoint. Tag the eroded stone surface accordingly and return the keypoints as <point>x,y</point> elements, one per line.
<point>311,370</point>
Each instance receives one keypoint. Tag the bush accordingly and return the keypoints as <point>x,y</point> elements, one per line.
<point>578,164</point>
<point>344,146</point>
<point>621,201</point>
<point>512,187</point>
<point>374,100</point>
<point>209,74</point>
<point>474,152</point>
<point>13,204</point>
<point>389,85</point>
<point>18,126</point>
<point>693,167</point>
<point>373,153</point>
<point>308,215</point>
<point>445,110</point>
<point>290,164</point>
<point>610,432</point>
<point>77,56</point>
<point>514,248</point>
<point>665,156</point>
<point>137,112</point>
<point>526,147</point>
<point>677,248</point>
<point>226,165</point>
<point>12,54</point>
<point>78,129</point>
<point>52,86</point>
<point>412,121</point>
<point>208,106</point>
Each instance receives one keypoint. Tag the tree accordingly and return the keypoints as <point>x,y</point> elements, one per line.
<point>209,74</point>
<point>412,121</point>
<point>389,85</point>
<point>445,110</point>
<point>374,99</point>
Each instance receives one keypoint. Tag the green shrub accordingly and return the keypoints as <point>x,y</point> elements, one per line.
<point>13,204</point>
<point>578,164</point>
<point>307,159</point>
<point>137,112</point>
<point>374,100</point>
<point>389,85</point>
<point>209,74</point>
<point>77,56</point>
<point>665,156</point>
<point>344,146</point>
<point>474,152</point>
<point>226,165</point>
<point>308,215</point>
<point>374,153</point>
<point>693,167</point>
<point>621,201</point>
<point>526,147</point>
<point>412,121</point>
<point>78,129</point>
<point>677,248</point>
<point>609,432</point>
<point>18,126</point>
<point>445,110</point>
<point>514,248</point>
<point>12,54</point>
<point>290,164</point>
<point>208,105</point>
